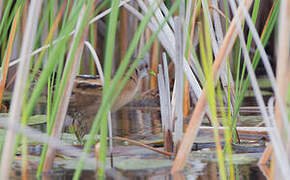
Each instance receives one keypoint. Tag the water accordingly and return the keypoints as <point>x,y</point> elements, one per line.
<point>145,124</point>
<point>136,124</point>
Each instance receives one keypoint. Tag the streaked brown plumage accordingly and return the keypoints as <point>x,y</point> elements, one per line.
<point>86,98</point>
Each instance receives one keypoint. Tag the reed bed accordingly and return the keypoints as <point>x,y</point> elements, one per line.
<point>214,48</point>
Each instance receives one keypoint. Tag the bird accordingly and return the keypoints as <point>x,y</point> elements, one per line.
<point>86,98</point>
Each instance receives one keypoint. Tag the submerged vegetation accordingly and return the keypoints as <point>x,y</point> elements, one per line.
<point>205,57</point>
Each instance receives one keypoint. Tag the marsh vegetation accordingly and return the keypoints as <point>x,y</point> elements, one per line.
<point>144,88</point>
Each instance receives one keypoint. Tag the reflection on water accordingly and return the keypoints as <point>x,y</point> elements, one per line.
<point>60,174</point>
<point>141,124</point>
<point>243,172</point>
<point>136,124</point>
<point>209,172</point>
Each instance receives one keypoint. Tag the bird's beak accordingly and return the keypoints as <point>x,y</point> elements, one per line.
<point>143,73</point>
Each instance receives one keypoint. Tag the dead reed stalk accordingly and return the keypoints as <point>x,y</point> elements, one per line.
<point>166,118</point>
<point>58,124</point>
<point>177,97</point>
<point>283,64</point>
<point>22,75</point>
<point>198,113</point>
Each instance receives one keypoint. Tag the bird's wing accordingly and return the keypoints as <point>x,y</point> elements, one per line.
<point>86,93</point>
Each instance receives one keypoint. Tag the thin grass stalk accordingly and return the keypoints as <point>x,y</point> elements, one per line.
<point>216,46</point>
<point>58,114</point>
<point>188,51</point>
<point>16,104</point>
<point>239,81</point>
<point>228,133</point>
<point>50,16</point>
<point>53,27</point>
<point>5,17</point>
<point>1,9</point>
<point>38,136</point>
<point>50,83</point>
<point>58,124</point>
<point>167,40</point>
<point>93,33</point>
<point>100,72</point>
<point>229,117</point>
<point>49,100</point>
<point>61,63</point>
<point>48,40</point>
<point>23,139</point>
<point>54,57</point>
<point>64,36</point>
<point>5,62</point>
<point>24,158</point>
<point>106,12</point>
<point>249,43</point>
<point>280,154</point>
<point>42,26</point>
<point>198,113</point>
<point>271,21</point>
<point>6,22</point>
<point>100,7</point>
<point>268,151</point>
<point>69,150</point>
<point>109,51</point>
<point>228,123</point>
<point>45,18</point>
<point>110,40</point>
<point>108,100</point>
<point>206,57</point>
<point>57,53</point>
<point>7,56</point>
<point>267,66</point>
<point>226,77</point>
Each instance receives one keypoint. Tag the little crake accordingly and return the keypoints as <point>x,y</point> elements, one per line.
<point>87,97</point>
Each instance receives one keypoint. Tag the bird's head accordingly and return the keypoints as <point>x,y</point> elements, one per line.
<point>142,69</point>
